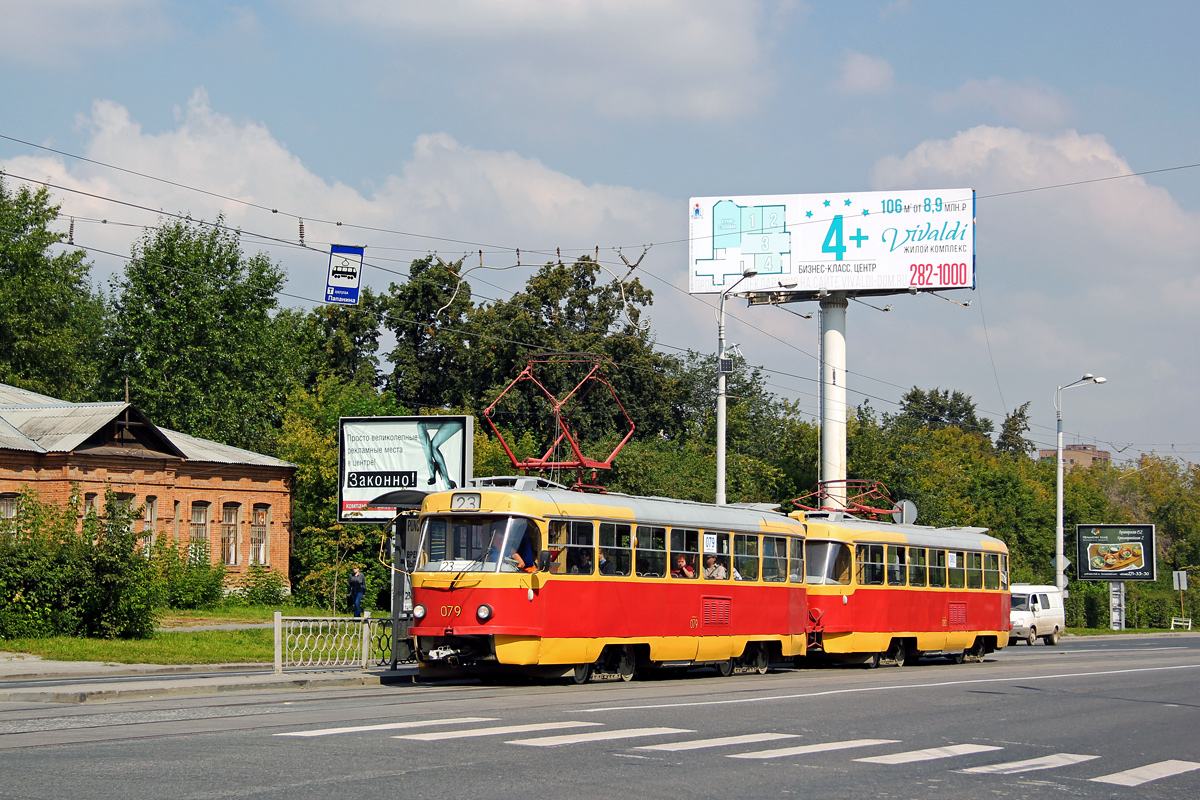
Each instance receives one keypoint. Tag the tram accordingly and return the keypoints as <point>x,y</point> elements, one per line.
<point>883,593</point>
<point>524,576</point>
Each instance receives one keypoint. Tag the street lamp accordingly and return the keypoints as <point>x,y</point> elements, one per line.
<point>1060,576</point>
<point>723,368</point>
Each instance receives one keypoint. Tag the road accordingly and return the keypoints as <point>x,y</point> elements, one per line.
<point>1092,718</point>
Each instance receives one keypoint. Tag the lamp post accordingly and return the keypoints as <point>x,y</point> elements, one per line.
<point>749,272</point>
<point>1060,576</point>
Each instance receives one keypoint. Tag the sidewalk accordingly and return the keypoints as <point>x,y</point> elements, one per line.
<point>32,679</point>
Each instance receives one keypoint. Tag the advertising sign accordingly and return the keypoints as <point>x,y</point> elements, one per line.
<point>1115,553</point>
<point>806,244</point>
<point>345,273</point>
<point>389,463</point>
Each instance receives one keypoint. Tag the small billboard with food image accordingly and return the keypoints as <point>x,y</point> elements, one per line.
<point>1116,552</point>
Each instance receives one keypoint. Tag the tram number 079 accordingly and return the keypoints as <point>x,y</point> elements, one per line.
<point>451,611</point>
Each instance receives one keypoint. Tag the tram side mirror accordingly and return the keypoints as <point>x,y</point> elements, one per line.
<point>543,562</point>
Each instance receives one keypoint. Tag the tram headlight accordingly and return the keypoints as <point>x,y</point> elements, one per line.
<point>419,611</point>
<point>484,612</point>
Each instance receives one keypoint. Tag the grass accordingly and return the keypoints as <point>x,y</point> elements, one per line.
<point>191,647</point>
<point>179,618</point>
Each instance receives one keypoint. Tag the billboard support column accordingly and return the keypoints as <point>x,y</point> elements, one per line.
<point>833,396</point>
<point>1116,605</point>
<point>397,589</point>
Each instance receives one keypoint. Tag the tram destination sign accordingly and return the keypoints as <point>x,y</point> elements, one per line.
<point>1115,553</point>
<point>802,245</point>
<point>389,463</point>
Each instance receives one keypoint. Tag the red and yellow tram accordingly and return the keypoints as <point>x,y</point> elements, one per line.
<point>532,577</point>
<point>523,576</point>
<point>889,593</point>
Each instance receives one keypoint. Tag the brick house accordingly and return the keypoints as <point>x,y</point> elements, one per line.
<point>194,490</point>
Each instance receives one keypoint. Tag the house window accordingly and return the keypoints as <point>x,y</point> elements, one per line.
<point>89,504</point>
<point>175,521</point>
<point>198,542</point>
<point>8,505</point>
<point>149,518</point>
<point>260,552</point>
<point>229,532</point>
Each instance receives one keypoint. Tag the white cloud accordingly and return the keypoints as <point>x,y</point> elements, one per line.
<point>57,32</point>
<point>697,59</point>
<point>448,198</point>
<point>1028,104</point>
<point>864,74</point>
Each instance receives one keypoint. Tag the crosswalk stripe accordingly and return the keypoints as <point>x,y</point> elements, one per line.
<point>931,754</point>
<point>805,749</point>
<point>1045,762</point>
<point>495,730</point>
<point>389,726</point>
<point>597,736</point>
<point>700,744</point>
<point>1150,772</point>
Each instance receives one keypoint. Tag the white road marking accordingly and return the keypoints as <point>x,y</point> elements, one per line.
<point>597,736</point>
<point>931,754</point>
<point>1150,772</point>
<point>907,687</point>
<point>495,730</point>
<point>389,726</point>
<point>805,749</point>
<point>700,744</point>
<point>1033,764</point>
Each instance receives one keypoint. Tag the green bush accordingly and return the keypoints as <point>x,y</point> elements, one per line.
<point>261,586</point>
<point>185,577</point>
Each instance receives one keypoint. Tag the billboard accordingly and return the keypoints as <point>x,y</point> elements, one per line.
<point>1115,553</point>
<point>389,463</point>
<point>803,245</point>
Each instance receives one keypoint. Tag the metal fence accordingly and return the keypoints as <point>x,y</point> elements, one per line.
<point>331,642</point>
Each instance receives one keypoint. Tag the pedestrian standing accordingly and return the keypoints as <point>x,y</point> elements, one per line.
<point>358,588</point>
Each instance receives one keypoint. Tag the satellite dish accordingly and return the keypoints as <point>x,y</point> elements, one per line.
<point>905,512</point>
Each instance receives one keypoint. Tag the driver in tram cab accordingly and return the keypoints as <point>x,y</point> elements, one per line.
<point>682,568</point>
<point>713,570</point>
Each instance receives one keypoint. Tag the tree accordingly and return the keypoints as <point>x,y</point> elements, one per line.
<point>193,332</point>
<point>941,408</point>
<point>342,342</point>
<point>51,321</point>
<point>1012,433</point>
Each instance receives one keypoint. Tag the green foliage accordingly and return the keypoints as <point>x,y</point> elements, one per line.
<point>940,408</point>
<point>184,575</point>
<point>261,586</point>
<point>119,598</point>
<point>51,321</point>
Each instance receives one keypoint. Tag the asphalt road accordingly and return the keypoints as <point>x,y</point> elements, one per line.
<point>1092,718</point>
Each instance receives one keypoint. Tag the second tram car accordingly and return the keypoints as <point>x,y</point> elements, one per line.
<point>890,593</point>
<point>533,578</point>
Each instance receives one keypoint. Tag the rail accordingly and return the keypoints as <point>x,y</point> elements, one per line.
<point>332,642</point>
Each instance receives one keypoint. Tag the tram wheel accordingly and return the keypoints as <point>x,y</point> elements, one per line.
<point>958,658</point>
<point>625,664</point>
<point>872,661</point>
<point>582,674</point>
<point>725,668</point>
<point>895,653</point>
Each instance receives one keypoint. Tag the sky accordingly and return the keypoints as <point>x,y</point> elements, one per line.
<point>479,128</point>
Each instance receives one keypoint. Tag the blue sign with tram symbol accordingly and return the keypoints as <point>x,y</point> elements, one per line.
<point>345,272</point>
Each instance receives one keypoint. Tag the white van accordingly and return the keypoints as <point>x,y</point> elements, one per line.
<point>1036,612</point>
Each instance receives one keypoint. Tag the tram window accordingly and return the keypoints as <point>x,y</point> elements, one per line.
<point>1004,572</point>
<point>745,557</point>
<point>435,536</point>
<point>774,559</point>
<point>916,566</point>
<point>616,543</point>
<point>895,565</point>
<point>827,563</point>
<point>991,570</point>
<point>796,561</point>
<point>870,564</point>
<point>974,570</point>
<point>716,555</point>
<point>685,545</point>
<point>580,557</point>
<point>651,551</point>
<point>956,564</point>
<point>937,568</point>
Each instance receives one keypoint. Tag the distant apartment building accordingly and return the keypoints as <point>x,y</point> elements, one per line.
<point>1077,455</point>
<point>234,502</point>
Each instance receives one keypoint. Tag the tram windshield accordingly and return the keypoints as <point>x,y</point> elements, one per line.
<point>827,562</point>
<point>471,543</point>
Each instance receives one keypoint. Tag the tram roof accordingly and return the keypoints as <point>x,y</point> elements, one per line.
<point>661,510</point>
<point>918,535</point>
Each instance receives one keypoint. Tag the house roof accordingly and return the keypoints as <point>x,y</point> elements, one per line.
<point>36,423</point>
